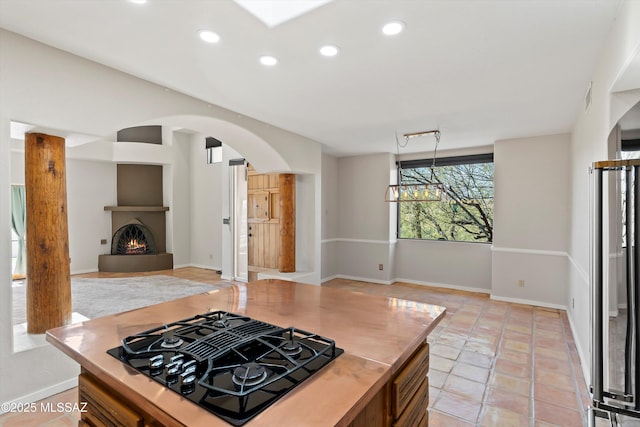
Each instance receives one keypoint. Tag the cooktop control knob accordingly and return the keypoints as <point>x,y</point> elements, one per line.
<point>156,362</point>
<point>171,371</point>
<point>189,366</point>
<point>177,358</point>
<point>187,383</point>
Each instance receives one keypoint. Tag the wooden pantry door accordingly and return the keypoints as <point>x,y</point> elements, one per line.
<point>263,212</point>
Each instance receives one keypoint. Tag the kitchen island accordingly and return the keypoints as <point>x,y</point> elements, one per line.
<point>379,380</point>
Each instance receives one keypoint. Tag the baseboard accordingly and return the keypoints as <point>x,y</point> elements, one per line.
<point>326,279</point>
<point>183,266</point>
<point>206,267</point>
<point>529,302</point>
<point>42,394</point>
<point>364,279</point>
<point>410,281</point>
<point>449,286</point>
<point>445,285</point>
<point>92,270</point>
<point>584,363</point>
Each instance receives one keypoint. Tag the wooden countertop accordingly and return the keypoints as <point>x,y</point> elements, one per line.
<point>377,333</point>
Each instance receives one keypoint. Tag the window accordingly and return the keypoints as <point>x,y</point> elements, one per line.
<point>214,150</point>
<point>465,212</point>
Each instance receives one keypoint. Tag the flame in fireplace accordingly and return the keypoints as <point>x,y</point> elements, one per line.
<point>133,239</point>
<point>135,247</point>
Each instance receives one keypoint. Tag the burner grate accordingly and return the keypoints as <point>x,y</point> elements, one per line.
<point>210,345</point>
<point>254,328</point>
<point>234,368</point>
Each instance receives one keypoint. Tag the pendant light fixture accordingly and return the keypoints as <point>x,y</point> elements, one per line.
<point>419,192</point>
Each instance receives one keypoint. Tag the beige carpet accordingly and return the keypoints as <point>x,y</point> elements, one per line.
<point>100,297</point>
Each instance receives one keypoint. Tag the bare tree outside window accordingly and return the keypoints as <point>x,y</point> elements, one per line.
<point>464,214</point>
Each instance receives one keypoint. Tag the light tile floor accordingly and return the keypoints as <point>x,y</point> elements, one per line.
<point>496,363</point>
<point>492,363</point>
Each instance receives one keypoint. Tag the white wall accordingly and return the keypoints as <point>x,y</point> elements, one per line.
<point>366,224</point>
<point>206,209</point>
<point>181,200</point>
<point>589,144</point>
<point>531,217</point>
<point>330,218</point>
<point>90,187</point>
<point>457,265</point>
<point>362,211</point>
<point>308,200</point>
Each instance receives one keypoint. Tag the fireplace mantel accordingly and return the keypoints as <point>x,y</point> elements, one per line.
<point>140,198</point>
<point>136,208</point>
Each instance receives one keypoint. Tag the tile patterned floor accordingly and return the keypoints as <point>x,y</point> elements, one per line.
<point>496,363</point>
<point>492,363</point>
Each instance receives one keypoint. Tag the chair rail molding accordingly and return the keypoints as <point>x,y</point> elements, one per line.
<point>530,251</point>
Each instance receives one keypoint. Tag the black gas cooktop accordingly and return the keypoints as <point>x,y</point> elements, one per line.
<point>231,365</point>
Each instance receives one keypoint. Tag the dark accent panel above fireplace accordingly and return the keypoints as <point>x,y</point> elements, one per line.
<point>139,185</point>
<point>148,134</point>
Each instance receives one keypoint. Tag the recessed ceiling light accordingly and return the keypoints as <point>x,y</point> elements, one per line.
<point>393,28</point>
<point>329,50</point>
<point>209,36</point>
<point>268,60</point>
<point>138,1</point>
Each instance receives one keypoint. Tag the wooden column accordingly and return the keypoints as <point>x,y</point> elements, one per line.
<point>48,271</point>
<point>287,259</point>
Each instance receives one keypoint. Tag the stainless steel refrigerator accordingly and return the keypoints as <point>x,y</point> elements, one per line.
<point>615,296</point>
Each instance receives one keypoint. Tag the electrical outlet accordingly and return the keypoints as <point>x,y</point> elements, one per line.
<point>103,241</point>
<point>380,267</point>
<point>521,283</point>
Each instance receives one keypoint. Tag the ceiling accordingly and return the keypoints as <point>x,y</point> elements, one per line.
<point>478,70</point>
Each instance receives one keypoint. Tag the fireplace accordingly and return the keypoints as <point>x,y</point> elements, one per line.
<point>133,239</point>
<point>140,239</point>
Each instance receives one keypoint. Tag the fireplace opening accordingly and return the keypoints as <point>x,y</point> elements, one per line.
<point>133,239</point>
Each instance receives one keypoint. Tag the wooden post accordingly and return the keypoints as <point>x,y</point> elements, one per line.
<point>287,259</point>
<point>48,271</point>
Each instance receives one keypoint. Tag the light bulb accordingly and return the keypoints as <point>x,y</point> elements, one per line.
<point>393,28</point>
<point>268,60</point>
<point>209,36</point>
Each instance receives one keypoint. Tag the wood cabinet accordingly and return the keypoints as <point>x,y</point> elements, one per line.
<point>103,406</point>
<point>107,408</point>
<point>410,390</point>
<point>403,401</point>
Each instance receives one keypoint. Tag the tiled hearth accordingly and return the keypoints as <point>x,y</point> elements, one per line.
<point>492,363</point>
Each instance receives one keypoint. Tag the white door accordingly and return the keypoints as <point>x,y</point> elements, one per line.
<point>239,222</point>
